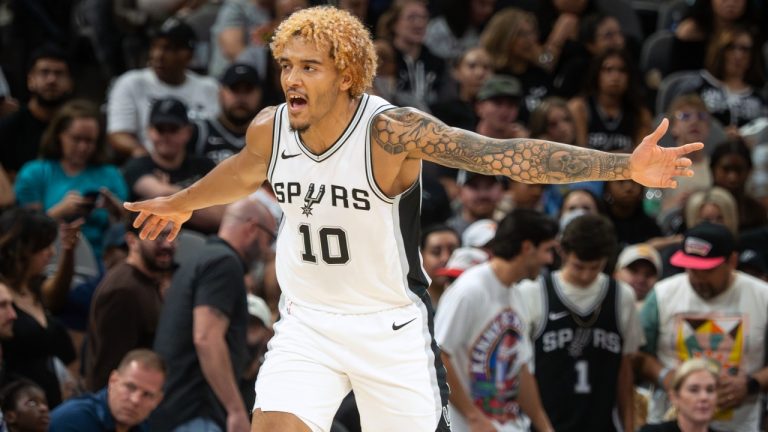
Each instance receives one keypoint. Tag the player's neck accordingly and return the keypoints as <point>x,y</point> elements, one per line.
<point>321,135</point>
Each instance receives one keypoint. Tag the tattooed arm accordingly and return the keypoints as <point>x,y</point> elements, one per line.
<point>406,130</point>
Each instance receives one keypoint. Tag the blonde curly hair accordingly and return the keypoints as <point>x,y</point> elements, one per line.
<point>347,40</point>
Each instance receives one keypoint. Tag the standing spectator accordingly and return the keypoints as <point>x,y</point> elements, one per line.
<point>420,74</point>
<point>711,311</point>
<point>50,85</point>
<point>169,167</point>
<point>639,266</point>
<point>585,330</point>
<point>611,115</point>
<point>457,28</point>
<point>693,396</point>
<point>24,407</point>
<point>240,100</point>
<point>730,164</point>
<point>134,92</point>
<point>126,306</point>
<point>71,179</point>
<point>134,390</point>
<point>26,246</point>
<point>202,331</point>
<point>484,344</point>
<point>511,38</point>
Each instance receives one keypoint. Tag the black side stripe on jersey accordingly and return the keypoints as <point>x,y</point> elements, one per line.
<point>276,131</point>
<point>351,126</point>
<point>369,159</point>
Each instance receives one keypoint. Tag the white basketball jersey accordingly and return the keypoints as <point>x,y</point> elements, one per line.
<point>343,245</point>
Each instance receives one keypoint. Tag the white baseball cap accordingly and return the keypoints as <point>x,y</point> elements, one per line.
<point>639,251</point>
<point>479,233</point>
<point>258,308</point>
<point>461,259</point>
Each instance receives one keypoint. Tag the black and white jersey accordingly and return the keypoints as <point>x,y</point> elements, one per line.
<point>216,142</point>
<point>577,360</point>
<point>344,246</point>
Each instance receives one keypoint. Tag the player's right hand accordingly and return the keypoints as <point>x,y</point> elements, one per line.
<point>155,215</point>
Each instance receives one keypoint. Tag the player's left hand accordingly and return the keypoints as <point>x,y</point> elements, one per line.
<point>731,391</point>
<point>654,166</point>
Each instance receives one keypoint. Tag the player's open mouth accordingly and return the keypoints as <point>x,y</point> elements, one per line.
<point>296,102</point>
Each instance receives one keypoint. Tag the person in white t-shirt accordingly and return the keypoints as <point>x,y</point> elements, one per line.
<point>484,344</point>
<point>584,330</point>
<point>133,93</point>
<point>710,311</point>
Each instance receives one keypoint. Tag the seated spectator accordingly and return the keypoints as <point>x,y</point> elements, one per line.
<point>126,306</point>
<point>437,244</point>
<point>730,164</point>
<point>610,116</point>
<point>24,407</point>
<point>134,390</point>
<point>497,106</point>
<point>71,180</point>
<point>689,121</point>
<point>479,195</point>
<point>624,205</point>
<point>240,100</point>
<point>693,396</point>
<point>512,40</point>
<point>134,92</point>
<point>733,78</point>
<point>231,32</point>
<point>711,311</point>
<point>38,338</point>
<point>639,266</point>
<point>169,168</point>
<point>420,74</point>
<point>457,27</point>
<point>703,21</point>
<point>50,85</point>
<point>597,34</point>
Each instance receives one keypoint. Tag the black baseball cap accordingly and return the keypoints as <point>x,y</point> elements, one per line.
<point>464,177</point>
<point>179,33</point>
<point>240,73</point>
<point>705,247</point>
<point>168,110</point>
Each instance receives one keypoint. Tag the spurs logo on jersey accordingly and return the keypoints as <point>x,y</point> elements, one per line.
<point>313,194</point>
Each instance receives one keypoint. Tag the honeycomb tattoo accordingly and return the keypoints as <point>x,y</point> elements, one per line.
<point>524,160</point>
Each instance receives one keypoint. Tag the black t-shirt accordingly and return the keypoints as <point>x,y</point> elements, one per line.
<point>190,171</point>
<point>20,135</point>
<point>456,113</point>
<point>637,228</point>
<point>215,142</point>
<point>670,426</point>
<point>536,83</point>
<point>213,278</point>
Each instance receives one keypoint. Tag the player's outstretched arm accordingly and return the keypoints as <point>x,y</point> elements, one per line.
<point>528,160</point>
<point>231,180</point>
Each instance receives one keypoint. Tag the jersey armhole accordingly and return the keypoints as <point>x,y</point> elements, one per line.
<point>369,161</point>
<point>277,130</point>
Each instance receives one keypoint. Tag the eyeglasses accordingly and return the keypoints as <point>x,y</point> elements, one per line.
<point>691,115</point>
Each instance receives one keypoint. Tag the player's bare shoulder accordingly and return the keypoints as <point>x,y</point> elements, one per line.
<point>258,138</point>
<point>408,130</point>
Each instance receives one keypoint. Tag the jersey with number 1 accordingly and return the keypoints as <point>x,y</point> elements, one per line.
<point>343,245</point>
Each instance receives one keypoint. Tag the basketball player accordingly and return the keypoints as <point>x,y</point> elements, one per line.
<point>345,168</point>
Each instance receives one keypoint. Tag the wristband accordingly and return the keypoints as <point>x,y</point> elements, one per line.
<point>753,386</point>
<point>662,376</point>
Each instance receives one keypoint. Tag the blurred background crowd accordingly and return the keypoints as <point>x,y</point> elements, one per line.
<point>106,101</point>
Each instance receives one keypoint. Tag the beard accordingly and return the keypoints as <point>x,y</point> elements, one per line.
<point>239,118</point>
<point>152,264</point>
<point>51,102</point>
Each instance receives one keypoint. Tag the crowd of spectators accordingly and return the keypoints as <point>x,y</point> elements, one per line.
<point>105,101</point>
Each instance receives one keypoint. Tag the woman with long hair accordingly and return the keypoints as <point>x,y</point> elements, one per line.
<point>611,115</point>
<point>26,246</point>
<point>730,164</point>
<point>71,181</point>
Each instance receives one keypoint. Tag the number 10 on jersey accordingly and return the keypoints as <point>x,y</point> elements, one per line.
<point>334,248</point>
